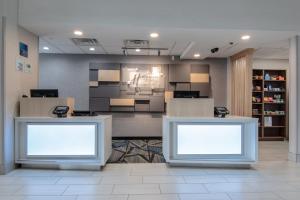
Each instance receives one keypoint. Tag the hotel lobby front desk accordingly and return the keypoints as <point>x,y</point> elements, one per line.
<point>197,138</point>
<point>66,143</point>
<point>230,141</point>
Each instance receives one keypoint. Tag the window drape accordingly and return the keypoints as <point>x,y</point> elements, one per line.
<point>241,83</point>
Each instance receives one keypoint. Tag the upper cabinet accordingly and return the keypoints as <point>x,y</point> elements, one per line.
<point>179,73</point>
<point>199,73</point>
<point>109,75</point>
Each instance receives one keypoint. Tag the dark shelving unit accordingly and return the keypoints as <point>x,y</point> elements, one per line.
<point>269,103</point>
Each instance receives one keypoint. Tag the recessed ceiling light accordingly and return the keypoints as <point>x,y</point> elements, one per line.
<point>196,55</point>
<point>46,48</point>
<point>138,50</point>
<point>78,33</point>
<point>245,37</point>
<point>154,35</point>
<point>92,49</point>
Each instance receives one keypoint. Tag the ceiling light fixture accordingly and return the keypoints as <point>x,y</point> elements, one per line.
<point>46,48</point>
<point>245,37</point>
<point>196,55</point>
<point>154,35</point>
<point>137,50</point>
<point>78,33</point>
<point>92,49</point>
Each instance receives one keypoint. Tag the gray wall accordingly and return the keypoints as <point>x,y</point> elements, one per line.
<point>70,73</point>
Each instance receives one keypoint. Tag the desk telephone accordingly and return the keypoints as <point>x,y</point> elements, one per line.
<point>61,111</point>
<point>221,112</point>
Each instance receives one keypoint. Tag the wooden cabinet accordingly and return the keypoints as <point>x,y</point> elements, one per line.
<point>179,73</point>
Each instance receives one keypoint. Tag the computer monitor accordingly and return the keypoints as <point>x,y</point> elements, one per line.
<point>186,94</point>
<point>44,93</point>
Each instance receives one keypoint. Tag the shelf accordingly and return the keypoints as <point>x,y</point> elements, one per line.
<point>274,126</point>
<point>271,138</point>
<point>270,133</point>
<point>275,91</point>
<point>273,103</point>
<point>275,80</point>
<point>274,115</point>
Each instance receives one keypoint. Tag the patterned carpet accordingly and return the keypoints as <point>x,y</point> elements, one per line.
<point>137,151</point>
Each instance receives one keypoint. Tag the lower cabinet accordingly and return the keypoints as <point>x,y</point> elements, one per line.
<point>157,104</point>
<point>102,91</point>
<point>99,104</point>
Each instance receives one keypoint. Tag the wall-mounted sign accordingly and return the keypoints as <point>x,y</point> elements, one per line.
<point>27,68</point>
<point>23,49</point>
<point>20,65</point>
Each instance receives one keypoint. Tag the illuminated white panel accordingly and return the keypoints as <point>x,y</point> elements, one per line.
<point>61,140</point>
<point>209,139</point>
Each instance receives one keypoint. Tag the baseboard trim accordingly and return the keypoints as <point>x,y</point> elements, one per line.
<point>294,157</point>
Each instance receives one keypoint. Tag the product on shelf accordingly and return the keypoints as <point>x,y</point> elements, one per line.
<point>256,99</point>
<point>257,77</point>
<point>277,98</point>
<point>255,111</point>
<point>276,112</point>
<point>268,121</point>
<point>257,88</point>
<point>267,77</point>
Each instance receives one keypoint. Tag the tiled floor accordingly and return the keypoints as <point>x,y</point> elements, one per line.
<point>273,178</point>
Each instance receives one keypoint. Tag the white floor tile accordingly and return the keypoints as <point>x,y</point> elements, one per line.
<point>50,198</point>
<point>73,173</point>
<point>33,172</point>
<point>11,197</point>
<point>272,187</point>
<point>79,180</point>
<point>186,171</point>
<point>4,180</point>
<point>163,179</point>
<point>182,188</point>
<point>42,190</point>
<point>89,190</point>
<point>103,197</point>
<point>229,187</point>
<point>36,180</point>
<point>253,196</point>
<point>9,189</point>
<point>154,197</point>
<point>272,178</point>
<point>122,180</point>
<point>137,189</point>
<point>204,179</point>
<point>204,197</point>
<point>289,195</point>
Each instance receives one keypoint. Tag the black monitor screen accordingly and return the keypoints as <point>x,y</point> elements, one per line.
<point>44,93</point>
<point>186,94</point>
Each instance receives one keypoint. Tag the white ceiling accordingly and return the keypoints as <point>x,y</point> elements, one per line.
<point>203,23</point>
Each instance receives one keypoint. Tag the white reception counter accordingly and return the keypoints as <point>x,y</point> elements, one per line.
<point>210,141</point>
<point>73,142</point>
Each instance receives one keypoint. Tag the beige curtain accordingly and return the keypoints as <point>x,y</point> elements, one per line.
<point>241,83</point>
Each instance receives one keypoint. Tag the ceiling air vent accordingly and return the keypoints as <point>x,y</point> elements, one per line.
<point>85,41</point>
<point>136,43</point>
